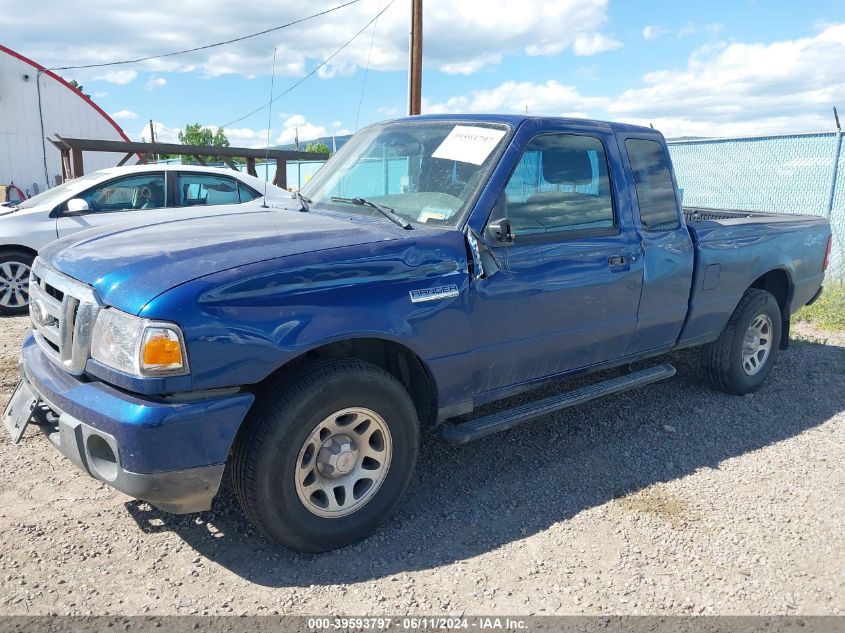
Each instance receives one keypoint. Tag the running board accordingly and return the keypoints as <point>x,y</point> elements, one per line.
<point>501,420</point>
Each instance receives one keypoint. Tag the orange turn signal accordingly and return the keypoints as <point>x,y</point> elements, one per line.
<point>161,350</point>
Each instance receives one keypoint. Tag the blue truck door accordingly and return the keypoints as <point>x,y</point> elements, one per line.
<point>566,293</point>
<point>668,255</point>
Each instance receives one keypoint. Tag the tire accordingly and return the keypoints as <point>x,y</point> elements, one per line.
<point>728,369</point>
<point>268,461</point>
<point>14,281</point>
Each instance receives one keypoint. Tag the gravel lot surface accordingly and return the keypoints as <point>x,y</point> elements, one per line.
<point>669,499</point>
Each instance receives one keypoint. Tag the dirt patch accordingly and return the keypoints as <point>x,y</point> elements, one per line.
<point>662,503</point>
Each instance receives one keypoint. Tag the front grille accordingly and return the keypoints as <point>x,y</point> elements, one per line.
<point>62,311</point>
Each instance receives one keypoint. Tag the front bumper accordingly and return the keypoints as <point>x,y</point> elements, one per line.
<point>171,453</point>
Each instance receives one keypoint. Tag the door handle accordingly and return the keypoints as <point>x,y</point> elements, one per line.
<point>617,260</point>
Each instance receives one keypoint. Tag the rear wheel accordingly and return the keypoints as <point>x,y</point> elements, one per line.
<point>322,462</point>
<point>14,281</point>
<point>741,358</point>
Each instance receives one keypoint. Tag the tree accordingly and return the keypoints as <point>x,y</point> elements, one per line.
<point>78,86</point>
<point>317,148</point>
<point>196,134</point>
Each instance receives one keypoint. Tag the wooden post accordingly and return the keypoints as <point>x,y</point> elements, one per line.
<point>78,168</point>
<point>281,179</point>
<point>66,168</point>
<point>415,71</point>
<point>250,167</point>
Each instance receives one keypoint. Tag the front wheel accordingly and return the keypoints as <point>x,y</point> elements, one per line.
<point>741,358</point>
<point>321,463</point>
<point>14,282</point>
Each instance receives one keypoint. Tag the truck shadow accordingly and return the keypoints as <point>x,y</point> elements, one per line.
<point>468,500</point>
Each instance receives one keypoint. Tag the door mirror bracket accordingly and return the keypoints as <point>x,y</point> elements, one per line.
<point>500,231</point>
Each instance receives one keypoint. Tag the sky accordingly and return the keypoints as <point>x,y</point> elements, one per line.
<point>717,68</point>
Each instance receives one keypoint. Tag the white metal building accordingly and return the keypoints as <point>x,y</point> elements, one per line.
<point>35,104</point>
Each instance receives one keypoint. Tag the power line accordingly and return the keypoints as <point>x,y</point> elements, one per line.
<point>207,46</point>
<point>313,72</point>
<point>366,71</point>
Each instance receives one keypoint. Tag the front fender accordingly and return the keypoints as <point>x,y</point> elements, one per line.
<point>241,325</point>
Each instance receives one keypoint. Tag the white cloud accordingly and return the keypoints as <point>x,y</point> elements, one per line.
<point>390,112</point>
<point>124,115</point>
<point>687,29</point>
<point>724,89</point>
<point>586,45</point>
<point>121,77</point>
<point>551,98</point>
<point>238,137</point>
<point>155,82</point>
<point>253,138</point>
<point>245,137</point>
<point>297,124</point>
<point>163,133</point>
<point>461,37</point>
<point>652,32</point>
<point>691,28</point>
<point>736,84</point>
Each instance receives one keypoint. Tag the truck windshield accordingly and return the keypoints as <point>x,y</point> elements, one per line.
<point>426,172</point>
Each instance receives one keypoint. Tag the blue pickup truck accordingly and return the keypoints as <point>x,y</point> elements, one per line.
<point>435,264</point>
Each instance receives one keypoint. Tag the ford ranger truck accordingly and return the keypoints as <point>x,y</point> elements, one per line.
<point>435,264</point>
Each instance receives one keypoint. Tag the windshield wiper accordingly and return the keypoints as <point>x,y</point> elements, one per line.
<point>305,203</point>
<point>387,212</point>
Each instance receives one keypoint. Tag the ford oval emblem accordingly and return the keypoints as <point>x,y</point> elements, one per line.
<point>37,312</point>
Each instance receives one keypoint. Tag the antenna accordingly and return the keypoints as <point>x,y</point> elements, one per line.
<point>269,120</point>
<point>836,116</point>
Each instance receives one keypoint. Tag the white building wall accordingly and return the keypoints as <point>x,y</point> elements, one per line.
<point>64,111</point>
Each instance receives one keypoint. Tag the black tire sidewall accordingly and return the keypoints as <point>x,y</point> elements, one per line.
<point>767,305</point>
<point>17,257</point>
<point>281,513</point>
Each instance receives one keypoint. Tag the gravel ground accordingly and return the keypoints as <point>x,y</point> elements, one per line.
<point>670,499</point>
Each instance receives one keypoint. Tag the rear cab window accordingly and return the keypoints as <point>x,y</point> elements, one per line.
<point>653,179</point>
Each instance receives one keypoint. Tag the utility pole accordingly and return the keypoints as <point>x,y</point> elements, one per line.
<point>415,74</point>
<point>153,138</point>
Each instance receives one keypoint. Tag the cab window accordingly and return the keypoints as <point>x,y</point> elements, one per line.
<point>561,184</point>
<point>653,180</point>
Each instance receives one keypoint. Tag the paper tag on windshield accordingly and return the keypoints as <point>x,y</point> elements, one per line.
<point>469,144</point>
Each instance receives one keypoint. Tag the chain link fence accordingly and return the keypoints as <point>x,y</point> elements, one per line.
<point>791,173</point>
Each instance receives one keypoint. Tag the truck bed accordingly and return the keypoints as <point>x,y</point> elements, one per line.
<point>733,248</point>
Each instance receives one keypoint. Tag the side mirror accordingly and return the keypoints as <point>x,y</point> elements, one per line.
<point>77,206</point>
<point>500,231</point>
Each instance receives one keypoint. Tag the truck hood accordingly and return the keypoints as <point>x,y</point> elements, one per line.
<point>130,264</point>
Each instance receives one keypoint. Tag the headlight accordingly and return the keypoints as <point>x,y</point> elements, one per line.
<point>138,346</point>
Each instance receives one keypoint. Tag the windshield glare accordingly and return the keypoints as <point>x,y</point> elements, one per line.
<point>61,192</point>
<point>427,172</point>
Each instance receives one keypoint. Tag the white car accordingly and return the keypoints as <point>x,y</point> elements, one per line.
<point>109,196</point>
